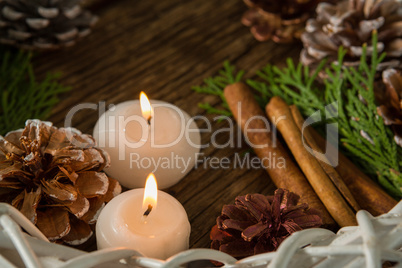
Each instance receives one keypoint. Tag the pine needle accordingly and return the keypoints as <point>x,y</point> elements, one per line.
<point>22,96</point>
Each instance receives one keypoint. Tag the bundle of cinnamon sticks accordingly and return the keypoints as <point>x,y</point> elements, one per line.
<point>337,192</point>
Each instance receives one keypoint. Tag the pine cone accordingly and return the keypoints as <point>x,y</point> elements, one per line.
<point>281,21</point>
<point>54,177</point>
<point>390,99</point>
<point>256,223</point>
<point>350,24</point>
<point>43,24</point>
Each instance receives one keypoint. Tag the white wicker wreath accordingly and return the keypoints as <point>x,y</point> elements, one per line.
<point>372,242</point>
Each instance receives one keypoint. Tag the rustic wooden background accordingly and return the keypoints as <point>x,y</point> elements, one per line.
<point>164,48</point>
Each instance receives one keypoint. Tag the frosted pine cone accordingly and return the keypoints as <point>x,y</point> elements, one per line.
<point>43,24</point>
<point>350,24</point>
<point>54,177</point>
<point>390,99</point>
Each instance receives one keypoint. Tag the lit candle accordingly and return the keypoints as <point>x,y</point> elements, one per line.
<point>148,136</point>
<point>147,220</point>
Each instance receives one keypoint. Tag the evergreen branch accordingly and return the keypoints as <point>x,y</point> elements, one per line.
<point>350,93</point>
<point>212,110</point>
<point>22,96</point>
<point>292,84</point>
<point>215,86</point>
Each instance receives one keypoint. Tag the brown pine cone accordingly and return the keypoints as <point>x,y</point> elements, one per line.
<point>256,223</point>
<point>54,177</point>
<point>281,21</point>
<point>43,24</point>
<point>350,24</point>
<point>390,99</point>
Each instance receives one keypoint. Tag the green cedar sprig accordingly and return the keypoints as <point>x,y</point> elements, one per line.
<point>215,85</point>
<point>363,134</point>
<point>21,96</point>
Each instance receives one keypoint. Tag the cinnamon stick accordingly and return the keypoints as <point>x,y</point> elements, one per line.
<point>279,113</point>
<point>367,193</point>
<point>249,117</point>
<point>323,161</point>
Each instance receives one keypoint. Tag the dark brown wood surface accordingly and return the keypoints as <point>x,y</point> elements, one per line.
<point>164,48</point>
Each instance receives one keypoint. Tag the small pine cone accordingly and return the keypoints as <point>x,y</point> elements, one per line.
<point>350,24</point>
<point>281,21</point>
<point>390,99</point>
<point>256,223</point>
<point>43,24</point>
<point>54,177</point>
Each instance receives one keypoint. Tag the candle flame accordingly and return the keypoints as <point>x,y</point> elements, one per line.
<point>150,193</point>
<point>146,108</point>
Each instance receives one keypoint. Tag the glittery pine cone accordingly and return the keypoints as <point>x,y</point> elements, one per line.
<point>350,24</point>
<point>43,24</point>
<point>54,177</point>
<point>281,21</point>
<point>256,223</point>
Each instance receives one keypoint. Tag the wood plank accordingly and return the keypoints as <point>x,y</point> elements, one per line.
<point>164,48</point>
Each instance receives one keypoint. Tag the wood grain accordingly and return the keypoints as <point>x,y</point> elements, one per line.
<point>164,48</point>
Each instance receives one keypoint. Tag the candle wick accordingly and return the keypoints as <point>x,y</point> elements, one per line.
<point>149,120</point>
<point>149,209</point>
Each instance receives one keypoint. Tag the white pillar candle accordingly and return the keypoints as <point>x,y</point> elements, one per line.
<point>163,233</point>
<point>163,140</point>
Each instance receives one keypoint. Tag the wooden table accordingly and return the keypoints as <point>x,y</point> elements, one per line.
<point>165,48</point>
